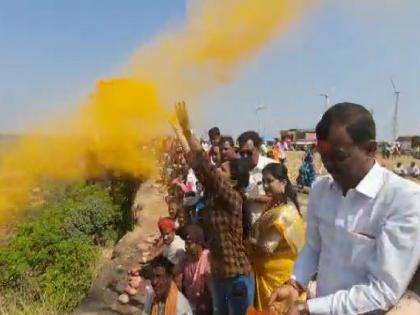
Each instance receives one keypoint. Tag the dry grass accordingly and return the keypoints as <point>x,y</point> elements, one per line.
<point>17,304</point>
<point>294,160</point>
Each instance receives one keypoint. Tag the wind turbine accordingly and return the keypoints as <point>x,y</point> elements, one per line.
<point>258,109</point>
<point>327,100</point>
<point>395,117</point>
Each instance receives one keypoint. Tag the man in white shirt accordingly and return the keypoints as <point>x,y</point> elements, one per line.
<point>173,246</point>
<point>363,226</point>
<point>413,170</point>
<point>249,147</point>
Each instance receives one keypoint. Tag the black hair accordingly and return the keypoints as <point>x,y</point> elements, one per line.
<point>214,132</point>
<point>195,233</point>
<point>161,261</point>
<point>239,171</point>
<point>228,139</point>
<point>280,172</point>
<point>250,135</point>
<point>357,120</point>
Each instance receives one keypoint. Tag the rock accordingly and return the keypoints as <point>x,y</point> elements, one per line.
<point>120,268</point>
<point>151,238</point>
<point>142,247</point>
<point>124,298</point>
<point>116,253</point>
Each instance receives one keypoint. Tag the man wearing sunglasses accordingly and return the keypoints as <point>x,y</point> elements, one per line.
<point>249,147</point>
<point>363,226</point>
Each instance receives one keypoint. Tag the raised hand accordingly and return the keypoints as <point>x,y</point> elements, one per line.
<point>178,129</point>
<point>183,118</point>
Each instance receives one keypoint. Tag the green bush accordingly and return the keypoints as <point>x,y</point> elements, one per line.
<point>67,281</point>
<point>53,256</point>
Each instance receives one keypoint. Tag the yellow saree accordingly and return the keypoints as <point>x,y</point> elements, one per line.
<point>277,237</point>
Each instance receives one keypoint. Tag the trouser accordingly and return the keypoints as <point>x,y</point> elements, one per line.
<point>233,296</point>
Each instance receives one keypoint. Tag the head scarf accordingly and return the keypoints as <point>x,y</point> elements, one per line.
<point>166,224</point>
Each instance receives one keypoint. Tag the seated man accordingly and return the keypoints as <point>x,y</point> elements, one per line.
<point>399,169</point>
<point>413,170</point>
<point>173,246</point>
<point>170,245</point>
<point>167,299</point>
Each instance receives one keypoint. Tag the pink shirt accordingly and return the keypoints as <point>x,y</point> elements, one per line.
<point>196,283</point>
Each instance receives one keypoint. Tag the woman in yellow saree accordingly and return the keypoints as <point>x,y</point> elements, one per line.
<point>277,235</point>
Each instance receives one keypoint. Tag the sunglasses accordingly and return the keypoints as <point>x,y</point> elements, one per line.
<point>245,153</point>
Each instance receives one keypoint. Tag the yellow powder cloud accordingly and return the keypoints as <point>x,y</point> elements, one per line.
<point>123,114</point>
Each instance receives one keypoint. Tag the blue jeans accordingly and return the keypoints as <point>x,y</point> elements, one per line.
<point>233,296</point>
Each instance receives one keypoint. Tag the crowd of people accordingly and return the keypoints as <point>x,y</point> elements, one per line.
<point>235,240</point>
<point>410,171</point>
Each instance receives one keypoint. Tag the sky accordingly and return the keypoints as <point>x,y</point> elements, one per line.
<point>52,53</point>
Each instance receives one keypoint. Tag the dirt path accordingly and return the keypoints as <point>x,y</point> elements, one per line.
<point>112,278</point>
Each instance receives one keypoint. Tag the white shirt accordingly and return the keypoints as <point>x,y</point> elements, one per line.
<point>175,251</point>
<point>182,305</point>
<point>365,246</point>
<point>191,181</point>
<point>413,171</point>
<point>256,188</point>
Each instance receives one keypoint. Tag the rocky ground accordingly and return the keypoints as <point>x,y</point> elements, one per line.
<point>128,253</point>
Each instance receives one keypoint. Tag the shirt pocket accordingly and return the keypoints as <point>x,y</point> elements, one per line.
<point>361,249</point>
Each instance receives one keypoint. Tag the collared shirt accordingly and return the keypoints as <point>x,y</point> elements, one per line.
<point>365,246</point>
<point>255,187</point>
<point>228,257</point>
